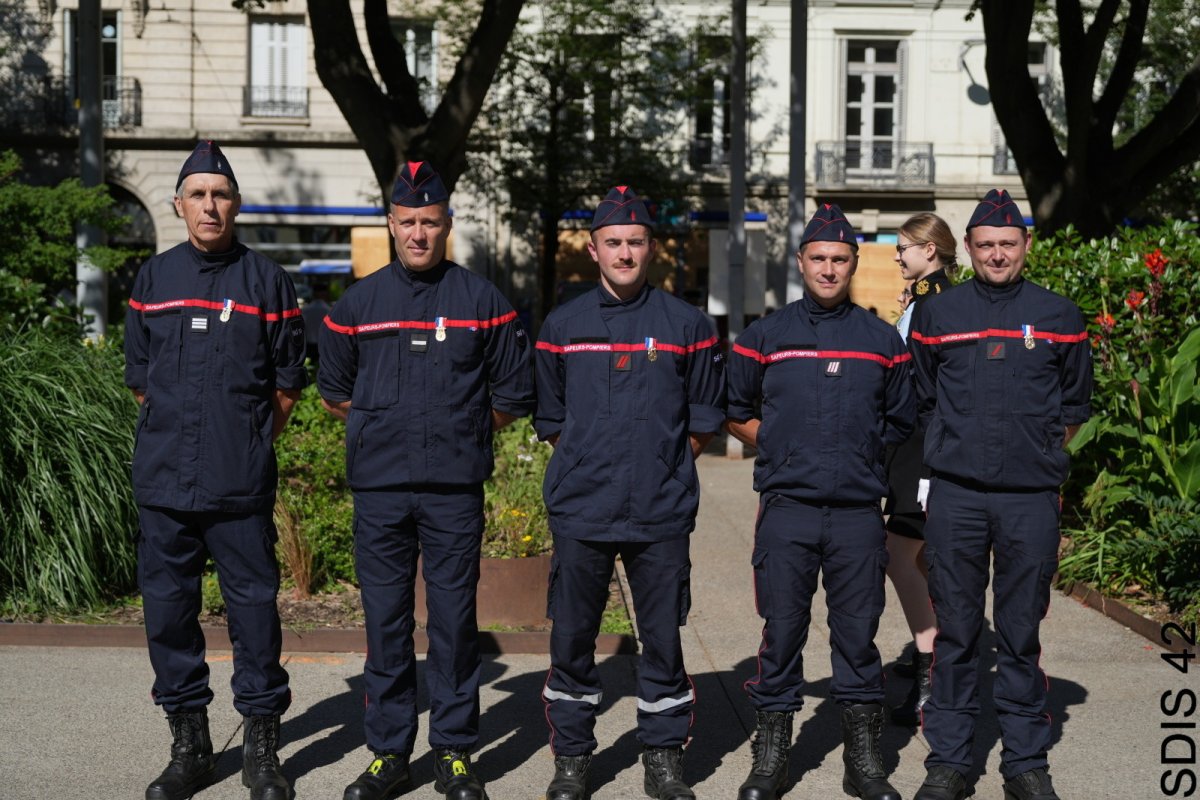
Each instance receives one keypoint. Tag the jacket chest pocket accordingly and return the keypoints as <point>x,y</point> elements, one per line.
<point>166,346</point>
<point>379,365</point>
<point>1034,381</point>
<point>458,360</point>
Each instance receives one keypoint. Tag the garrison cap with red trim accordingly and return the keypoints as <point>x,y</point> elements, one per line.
<point>621,206</point>
<point>997,210</point>
<point>418,185</point>
<point>829,224</point>
<point>206,158</point>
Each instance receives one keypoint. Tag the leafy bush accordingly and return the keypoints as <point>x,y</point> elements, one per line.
<point>316,509</point>
<point>1136,465</point>
<point>37,237</point>
<point>67,516</point>
<point>515,517</point>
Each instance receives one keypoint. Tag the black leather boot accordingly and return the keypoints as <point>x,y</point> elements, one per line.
<point>1032,785</point>
<point>570,778</point>
<point>454,776</point>
<point>382,780</point>
<point>192,763</point>
<point>942,783</point>
<point>260,759</point>
<point>664,774</point>
<point>865,777</point>
<point>908,713</point>
<point>770,747</point>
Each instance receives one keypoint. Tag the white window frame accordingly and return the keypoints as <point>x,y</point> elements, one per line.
<point>277,67</point>
<point>867,141</point>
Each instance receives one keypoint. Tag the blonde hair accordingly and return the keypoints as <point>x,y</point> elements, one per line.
<point>926,227</point>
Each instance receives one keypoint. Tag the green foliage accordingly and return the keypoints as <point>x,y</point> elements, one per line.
<point>1137,460</point>
<point>67,516</point>
<point>515,517</point>
<point>316,503</point>
<point>37,237</point>
<point>311,453</point>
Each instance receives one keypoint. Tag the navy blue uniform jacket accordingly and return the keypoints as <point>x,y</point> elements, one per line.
<point>833,389</point>
<point>623,384</point>
<point>1000,373</point>
<point>420,408</point>
<point>209,338</point>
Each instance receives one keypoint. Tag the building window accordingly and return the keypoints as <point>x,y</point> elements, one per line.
<point>713,113</point>
<point>1038,59</point>
<point>278,68</point>
<point>120,97</point>
<point>874,104</point>
<point>419,39</point>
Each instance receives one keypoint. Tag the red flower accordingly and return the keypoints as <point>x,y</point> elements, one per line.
<point>1106,322</point>
<point>1156,262</point>
<point>1135,299</point>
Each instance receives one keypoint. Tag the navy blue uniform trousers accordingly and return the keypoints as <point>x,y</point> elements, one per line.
<point>659,576</point>
<point>1020,530</point>
<point>173,549</point>
<point>793,542</point>
<point>444,524</point>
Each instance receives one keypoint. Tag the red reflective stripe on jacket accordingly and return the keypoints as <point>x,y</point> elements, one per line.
<point>748,353</point>
<point>970,336</point>
<point>212,305</point>
<point>418,324</point>
<point>624,347</point>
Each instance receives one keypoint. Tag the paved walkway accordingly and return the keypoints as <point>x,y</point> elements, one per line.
<point>78,723</point>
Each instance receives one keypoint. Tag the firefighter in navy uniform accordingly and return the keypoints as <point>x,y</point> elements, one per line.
<point>630,389</point>
<point>214,353</point>
<point>820,387</point>
<point>1004,378</point>
<point>423,360</point>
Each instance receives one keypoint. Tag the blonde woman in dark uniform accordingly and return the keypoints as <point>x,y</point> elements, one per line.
<point>925,251</point>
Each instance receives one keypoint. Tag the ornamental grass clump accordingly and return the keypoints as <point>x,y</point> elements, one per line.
<point>67,516</point>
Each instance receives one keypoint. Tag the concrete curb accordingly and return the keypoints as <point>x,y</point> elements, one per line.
<point>1120,613</point>
<point>317,640</point>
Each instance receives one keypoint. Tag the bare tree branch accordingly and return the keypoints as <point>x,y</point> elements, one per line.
<point>1162,135</point>
<point>446,135</point>
<point>1124,68</point>
<point>390,61</point>
<point>343,70</point>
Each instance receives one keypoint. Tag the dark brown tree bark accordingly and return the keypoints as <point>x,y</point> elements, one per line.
<point>1094,184</point>
<point>389,121</point>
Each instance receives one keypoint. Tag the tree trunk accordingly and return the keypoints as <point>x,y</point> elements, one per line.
<point>392,127</point>
<point>1094,185</point>
<point>548,269</point>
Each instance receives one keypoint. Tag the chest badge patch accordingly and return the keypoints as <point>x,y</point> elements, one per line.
<point>227,310</point>
<point>651,348</point>
<point>922,287</point>
<point>200,324</point>
<point>995,351</point>
<point>1027,332</point>
<point>440,325</point>
<point>833,369</point>
<point>622,362</point>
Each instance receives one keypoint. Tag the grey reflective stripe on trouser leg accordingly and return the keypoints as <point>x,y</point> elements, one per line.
<point>666,703</point>
<point>593,699</point>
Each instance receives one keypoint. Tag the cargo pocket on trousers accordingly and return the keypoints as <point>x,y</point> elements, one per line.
<point>685,593</point>
<point>551,585</point>
<point>762,585</point>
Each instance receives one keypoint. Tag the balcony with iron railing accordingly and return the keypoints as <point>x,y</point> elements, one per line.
<point>121,102</point>
<point>877,164</point>
<point>275,102</point>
